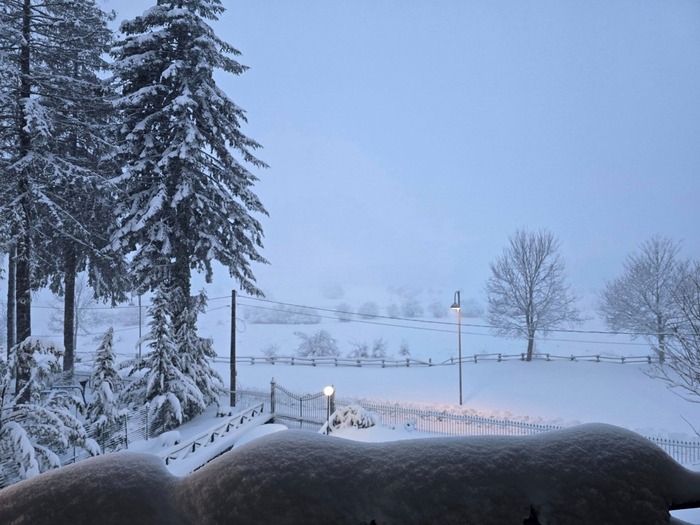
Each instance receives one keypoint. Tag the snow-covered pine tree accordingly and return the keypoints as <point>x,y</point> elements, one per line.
<point>188,195</point>
<point>162,383</point>
<point>196,354</point>
<point>40,423</point>
<point>57,137</point>
<point>103,410</point>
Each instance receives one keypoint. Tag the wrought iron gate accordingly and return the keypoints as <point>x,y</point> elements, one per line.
<point>308,411</point>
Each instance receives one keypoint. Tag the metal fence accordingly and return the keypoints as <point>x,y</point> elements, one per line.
<point>309,412</point>
<point>132,426</point>
<point>684,452</point>
<point>435,422</point>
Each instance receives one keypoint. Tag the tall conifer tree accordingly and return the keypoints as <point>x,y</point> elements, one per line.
<point>188,195</point>
<point>54,129</point>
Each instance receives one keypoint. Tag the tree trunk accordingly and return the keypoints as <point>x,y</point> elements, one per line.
<point>661,350</point>
<point>23,302</point>
<point>69,310</point>
<point>181,273</point>
<point>11,323</point>
<point>24,251</point>
<point>530,323</point>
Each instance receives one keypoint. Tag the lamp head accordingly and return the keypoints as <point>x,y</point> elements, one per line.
<point>456,305</point>
<point>328,390</point>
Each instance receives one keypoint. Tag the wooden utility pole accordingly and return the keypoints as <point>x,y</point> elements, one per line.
<point>233,348</point>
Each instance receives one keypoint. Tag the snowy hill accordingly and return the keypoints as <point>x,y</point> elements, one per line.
<point>561,392</point>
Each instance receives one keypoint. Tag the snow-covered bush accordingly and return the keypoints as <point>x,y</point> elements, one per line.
<point>362,350</point>
<point>282,315</point>
<point>354,416</point>
<point>438,309</point>
<point>379,348</point>
<point>343,312</point>
<point>393,311</point>
<point>319,344</point>
<point>368,310</point>
<point>170,438</point>
<point>472,308</point>
<point>411,307</point>
<point>270,351</point>
<point>39,422</point>
<point>404,349</point>
<point>359,350</point>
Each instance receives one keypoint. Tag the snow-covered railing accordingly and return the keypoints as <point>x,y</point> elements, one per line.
<point>202,448</point>
<point>408,362</point>
<point>327,361</point>
<point>440,422</point>
<point>685,452</point>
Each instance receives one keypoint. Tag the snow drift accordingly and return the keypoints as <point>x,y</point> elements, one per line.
<point>587,474</point>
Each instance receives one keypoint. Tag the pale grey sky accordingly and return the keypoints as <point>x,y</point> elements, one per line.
<point>408,139</point>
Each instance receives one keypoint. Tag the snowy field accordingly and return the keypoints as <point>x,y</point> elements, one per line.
<point>560,392</point>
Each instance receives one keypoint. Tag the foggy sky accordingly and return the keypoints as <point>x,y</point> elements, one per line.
<point>408,140</point>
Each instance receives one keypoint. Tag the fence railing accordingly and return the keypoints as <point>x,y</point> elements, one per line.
<point>212,435</point>
<point>408,362</point>
<point>131,426</point>
<point>310,412</point>
<point>436,422</point>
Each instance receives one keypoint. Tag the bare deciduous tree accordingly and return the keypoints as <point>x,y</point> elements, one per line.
<point>681,369</point>
<point>641,300</point>
<point>527,292</point>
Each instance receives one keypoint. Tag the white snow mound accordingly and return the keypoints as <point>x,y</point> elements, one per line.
<point>586,474</point>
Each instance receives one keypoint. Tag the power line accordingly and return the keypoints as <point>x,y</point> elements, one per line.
<point>444,323</point>
<point>356,320</point>
<point>376,319</point>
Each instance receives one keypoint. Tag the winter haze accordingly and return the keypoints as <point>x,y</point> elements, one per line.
<point>408,140</point>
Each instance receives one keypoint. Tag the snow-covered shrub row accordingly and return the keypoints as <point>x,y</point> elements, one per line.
<point>322,344</point>
<point>363,350</point>
<point>281,315</point>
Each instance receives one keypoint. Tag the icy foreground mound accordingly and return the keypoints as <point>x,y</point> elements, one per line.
<point>587,474</point>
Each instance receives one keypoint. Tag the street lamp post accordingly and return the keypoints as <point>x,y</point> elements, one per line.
<point>328,391</point>
<point>457,305</point>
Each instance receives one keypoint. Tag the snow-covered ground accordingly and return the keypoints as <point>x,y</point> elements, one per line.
<point>561,392</point>
<point>589,473</point>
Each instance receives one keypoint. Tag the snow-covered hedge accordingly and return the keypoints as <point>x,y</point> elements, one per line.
<point>588,474</point>
<point>354,416</point>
